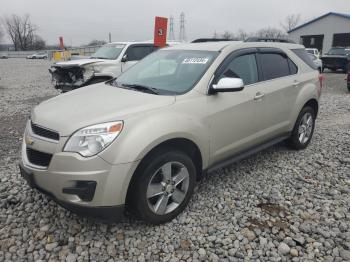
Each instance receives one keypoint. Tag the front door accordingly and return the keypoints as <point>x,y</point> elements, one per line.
<point>234,117</point>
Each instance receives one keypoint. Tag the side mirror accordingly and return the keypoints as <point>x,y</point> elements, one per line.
<point>125,58</point>
<point>228,84</point>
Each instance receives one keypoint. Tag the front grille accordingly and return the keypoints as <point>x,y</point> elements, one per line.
<point>38,158</point>
<point>41,131</point>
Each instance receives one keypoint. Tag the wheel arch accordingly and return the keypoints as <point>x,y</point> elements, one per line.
<point>184,145</point>
<point>313,104</point>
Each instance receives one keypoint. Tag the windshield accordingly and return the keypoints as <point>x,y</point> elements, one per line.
<point>109,51</point>
<point>169,71</point>
<point>339,51</point>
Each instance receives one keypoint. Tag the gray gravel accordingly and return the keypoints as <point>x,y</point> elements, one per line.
<point>278,205</point>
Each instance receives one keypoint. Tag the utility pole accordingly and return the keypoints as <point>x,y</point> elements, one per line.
<point>182,37</point>
<point>109,38</point>
<point>171,28</point>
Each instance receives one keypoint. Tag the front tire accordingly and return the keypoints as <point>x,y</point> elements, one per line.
<point>163,187</point>
<point>303,129</point>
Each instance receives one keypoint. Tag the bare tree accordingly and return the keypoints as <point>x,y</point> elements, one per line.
<point>271,32</point>
<point>227,35</point>
<point>38,43</point>
<point>242,35</point>
<point>97,42</point>
<point>21,31</point>
<point>290,22</point>
<point>1,32</point>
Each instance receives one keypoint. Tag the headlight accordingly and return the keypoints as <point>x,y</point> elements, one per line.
<point>92,140</point>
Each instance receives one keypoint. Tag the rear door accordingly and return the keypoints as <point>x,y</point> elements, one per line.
<point>135,53</point>
<point>281,85</point>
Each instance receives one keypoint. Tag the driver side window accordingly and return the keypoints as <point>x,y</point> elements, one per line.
<point>244,67</point>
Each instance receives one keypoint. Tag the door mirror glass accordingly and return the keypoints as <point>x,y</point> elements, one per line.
<point>125,58</point>
<point>229,84</point>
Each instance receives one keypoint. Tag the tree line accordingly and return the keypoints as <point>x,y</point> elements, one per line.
<point>24,36</point>
<point>22,32</point>
<point>289,23</point>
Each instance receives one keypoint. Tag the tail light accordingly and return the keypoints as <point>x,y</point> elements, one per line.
<point>321,79</point>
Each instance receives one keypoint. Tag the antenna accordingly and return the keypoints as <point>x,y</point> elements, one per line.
<point>171,28</point>
<point>182,37</point>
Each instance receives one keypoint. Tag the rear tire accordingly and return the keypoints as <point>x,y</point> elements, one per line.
<point>163,187</point>
<point>303,129</point>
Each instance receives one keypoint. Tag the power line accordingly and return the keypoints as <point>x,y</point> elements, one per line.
<point>171,28</point>
<point>182,36</point>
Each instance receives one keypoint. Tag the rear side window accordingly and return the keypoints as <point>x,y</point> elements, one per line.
<point>243,67</point>
<point>138,52</point>
<point>292,67</point>
<point>303,55</point>
<point>274,65</point>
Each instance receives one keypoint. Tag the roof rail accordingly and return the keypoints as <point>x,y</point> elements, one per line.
<point>203,40</point>
<point>269,39</point>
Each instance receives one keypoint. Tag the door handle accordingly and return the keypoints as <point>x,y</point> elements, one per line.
<point>296,83</point>
<point>258,96</point>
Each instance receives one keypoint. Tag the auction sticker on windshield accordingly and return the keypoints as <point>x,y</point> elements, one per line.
<point>195,60</point>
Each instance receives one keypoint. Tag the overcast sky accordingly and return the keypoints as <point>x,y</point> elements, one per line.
<point>80,21</point>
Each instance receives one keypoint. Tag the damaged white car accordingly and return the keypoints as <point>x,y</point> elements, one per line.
<point>108,62</point>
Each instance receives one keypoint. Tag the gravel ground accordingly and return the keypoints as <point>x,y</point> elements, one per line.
<point>277,205</point>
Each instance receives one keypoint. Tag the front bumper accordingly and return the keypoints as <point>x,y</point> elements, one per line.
<point>101,212</point>
<point>84,185</point>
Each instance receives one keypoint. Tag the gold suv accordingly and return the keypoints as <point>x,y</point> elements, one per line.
<point>142,140</point>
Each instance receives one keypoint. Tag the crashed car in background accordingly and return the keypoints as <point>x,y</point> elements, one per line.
<point>108,62</point>
<point>337,58</point>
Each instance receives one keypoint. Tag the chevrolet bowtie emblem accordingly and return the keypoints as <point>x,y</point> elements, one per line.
<point>29,140</point>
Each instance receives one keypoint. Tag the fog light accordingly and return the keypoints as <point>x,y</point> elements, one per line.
<point>85,190</point>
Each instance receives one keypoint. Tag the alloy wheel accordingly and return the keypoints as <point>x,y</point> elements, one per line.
<point>305,128</point>
<point>167,188</point>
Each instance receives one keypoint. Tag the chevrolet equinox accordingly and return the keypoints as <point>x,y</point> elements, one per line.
<point>141,141</point>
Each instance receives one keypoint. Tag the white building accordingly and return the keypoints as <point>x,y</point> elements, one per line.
<point>324,32</point>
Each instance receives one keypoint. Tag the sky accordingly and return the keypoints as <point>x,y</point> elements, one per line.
<point>80,21</point>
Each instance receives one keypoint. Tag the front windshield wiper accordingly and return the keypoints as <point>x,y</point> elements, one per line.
<point>99,57</point>
<point>142,88</point>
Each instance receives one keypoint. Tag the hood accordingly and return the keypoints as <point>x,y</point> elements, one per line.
<point>79,62</point>
<point>93,105</point>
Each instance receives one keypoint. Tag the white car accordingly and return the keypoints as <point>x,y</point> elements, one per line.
<point>41,55</point>
<point>108,62</point>
<point>317,62</point>
<point>4,56</point>
<point>313,51</point>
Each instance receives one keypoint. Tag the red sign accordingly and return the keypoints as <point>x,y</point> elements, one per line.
<point>160,31</point>
<point>61,42</point>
